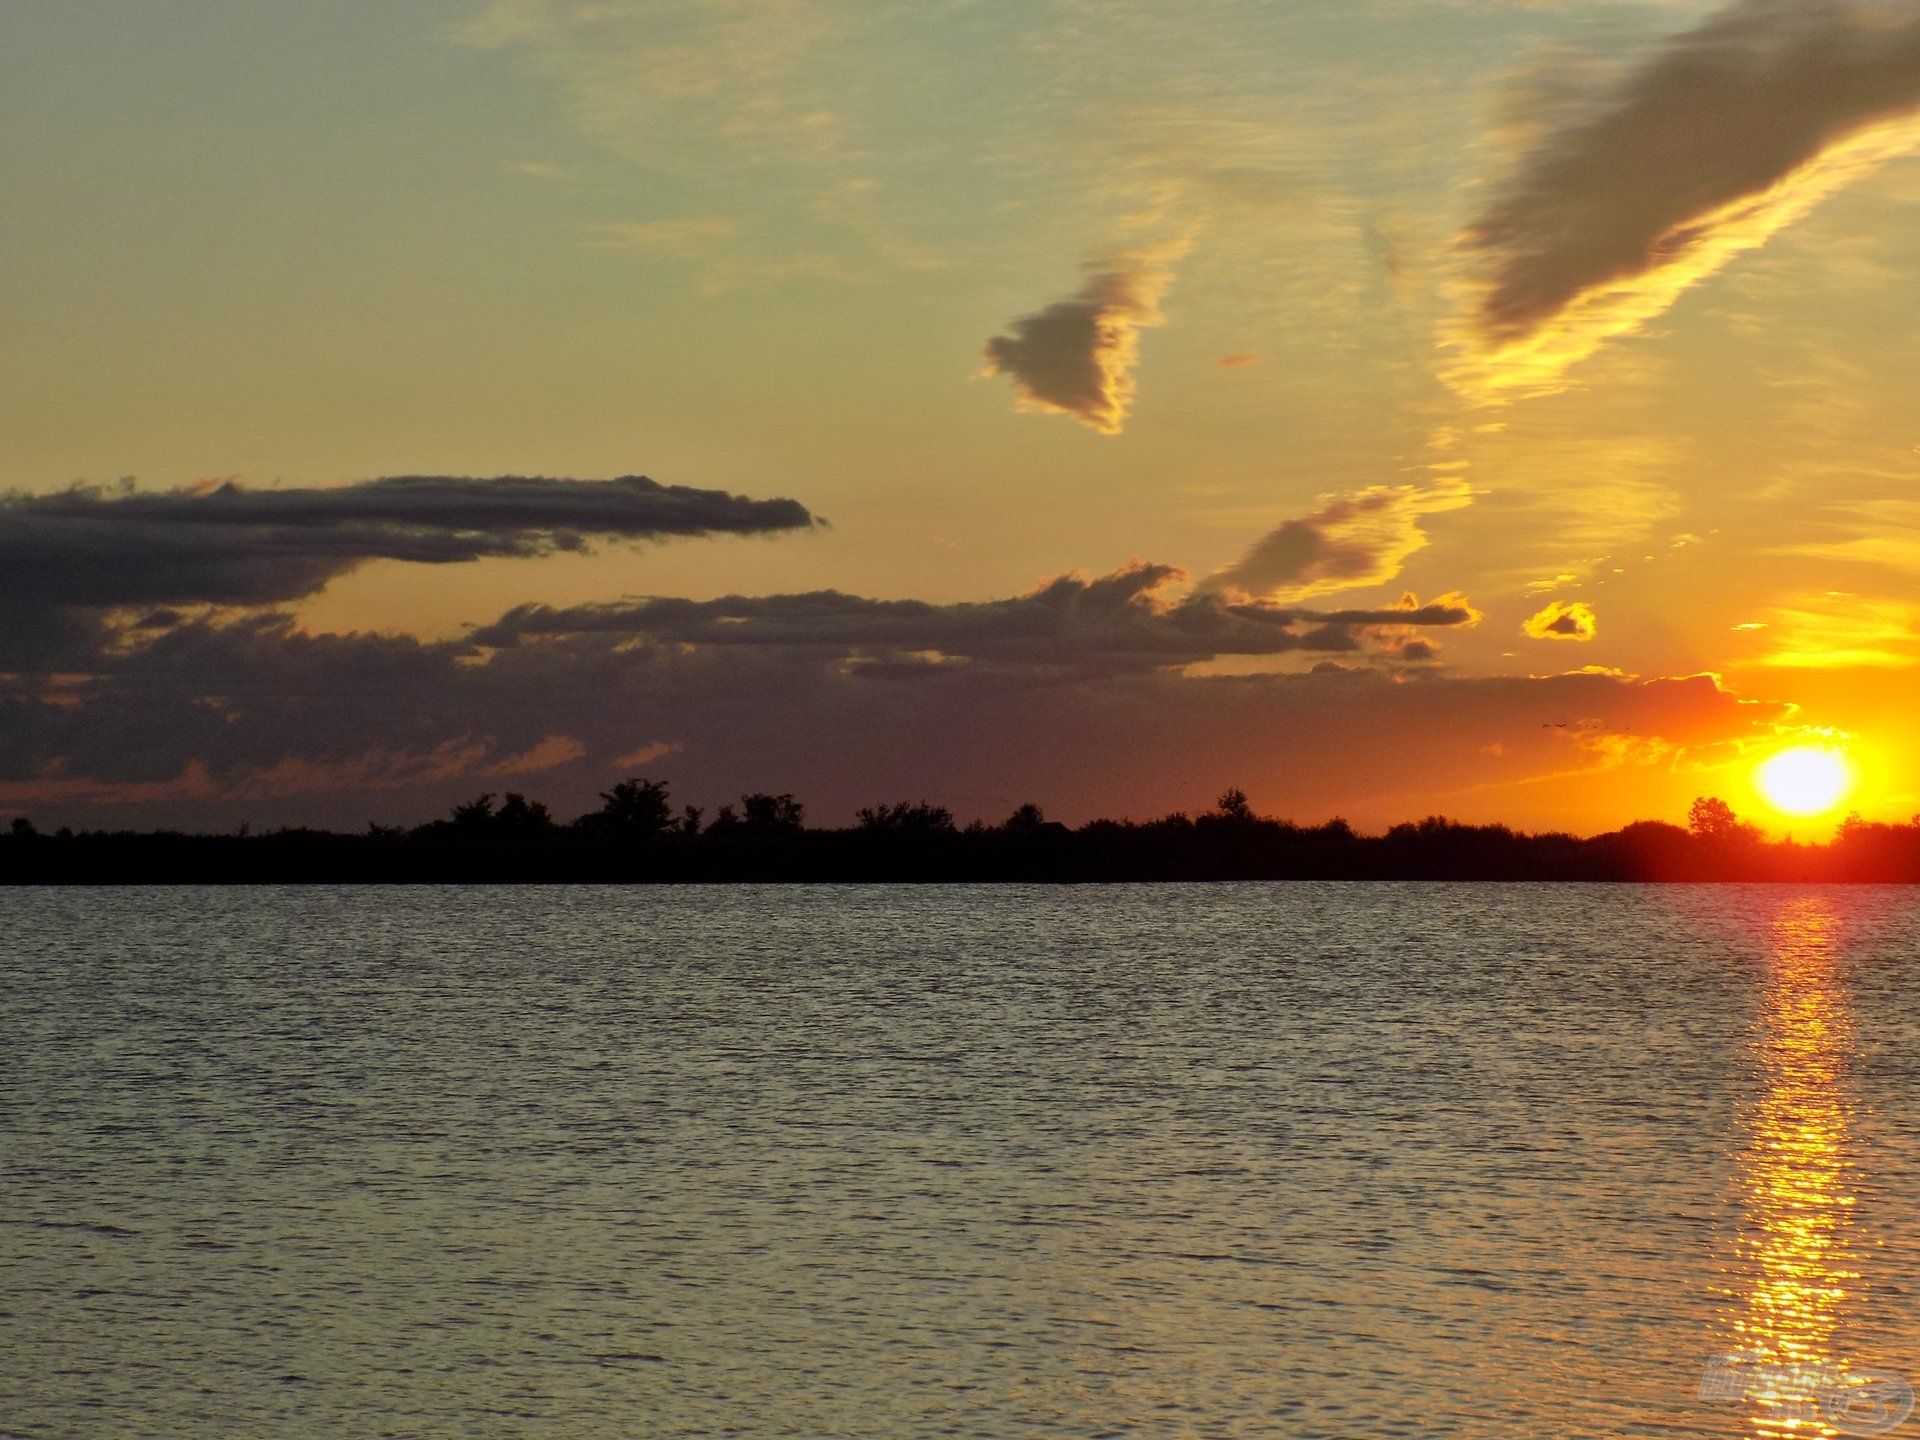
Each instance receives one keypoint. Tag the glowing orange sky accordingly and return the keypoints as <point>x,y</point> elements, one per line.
<point>1322,305</point>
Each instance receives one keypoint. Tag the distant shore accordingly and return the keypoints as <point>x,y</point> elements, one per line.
<point>636,838</point>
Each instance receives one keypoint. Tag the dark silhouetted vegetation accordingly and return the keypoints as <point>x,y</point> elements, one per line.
<point>637,835</point>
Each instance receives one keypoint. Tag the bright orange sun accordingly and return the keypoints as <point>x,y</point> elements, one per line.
<point>1805,780</point>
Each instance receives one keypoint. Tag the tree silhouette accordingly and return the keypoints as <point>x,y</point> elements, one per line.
<point>763,838</point>
<point>476,813</point>
<point>907,818</point>
<point>636,809</point>
<point>522,818</point>
<point>771,817</point>
<point>1027,820</point>
<point>1712,819</point>
<point>516,817</point>
<point>1233,805</point>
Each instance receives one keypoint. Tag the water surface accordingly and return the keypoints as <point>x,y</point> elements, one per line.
<point>1225,1161</point>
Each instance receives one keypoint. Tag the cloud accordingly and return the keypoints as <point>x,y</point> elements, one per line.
<point>89,548</point>
<point>220,720</point>
<point>723,264</point>
<point>643,756</point>
<point>210,710</point>
<point>1563,620</point>
<point>1354,540</point>
<point>1114,623</point>
<point>1836,630</point>
<point>686,238</point>
<point>550,753</point>
<point>789,106</point>
<point>1721,137</point>
<point>631,67</point>
<point>1076,356</point>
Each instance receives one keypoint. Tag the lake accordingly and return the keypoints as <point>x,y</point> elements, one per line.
<point>1341,1161</point>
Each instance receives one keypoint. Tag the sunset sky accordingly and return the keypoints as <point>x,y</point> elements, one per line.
<point>1387,406</point>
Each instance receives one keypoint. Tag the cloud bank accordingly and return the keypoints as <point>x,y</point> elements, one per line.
<point>1106,693</point>
<point>1724,135</point>
<point>1354,540</point>
<point>214,721</point>
<point>1076,357</point>
<point>1110,624</point>
<point>231,545</point>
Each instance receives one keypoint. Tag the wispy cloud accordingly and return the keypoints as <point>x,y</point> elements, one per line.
<point>1353,540</point>
<point>726,254</point>
<point>720,67</point>
<point>1838,631</point>
<point>1881,533</point>
<point>685,238</point>
<point>1710,146</point>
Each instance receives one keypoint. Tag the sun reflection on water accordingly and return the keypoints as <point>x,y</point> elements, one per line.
<point>1799,1199</point>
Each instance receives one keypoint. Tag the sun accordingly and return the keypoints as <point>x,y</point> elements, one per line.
<point>1805,780</point>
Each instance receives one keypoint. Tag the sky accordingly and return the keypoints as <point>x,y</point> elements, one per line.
<point>1496,408</point>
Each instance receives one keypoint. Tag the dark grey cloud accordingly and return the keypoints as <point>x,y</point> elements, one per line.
<point>215,721</point>
<point>92,548</point>
<point>1083,694</point>
<point>1118,621</point>
<point>195,708</point>
<point>1705,149</point>
<point>1076,356</point>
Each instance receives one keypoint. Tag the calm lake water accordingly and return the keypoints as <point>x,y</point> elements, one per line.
<point>1342,1161</point>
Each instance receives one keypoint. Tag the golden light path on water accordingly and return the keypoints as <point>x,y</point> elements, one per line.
<point>1799,1199</point>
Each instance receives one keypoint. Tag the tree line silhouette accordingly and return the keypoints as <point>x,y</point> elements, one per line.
<point>639,835</point>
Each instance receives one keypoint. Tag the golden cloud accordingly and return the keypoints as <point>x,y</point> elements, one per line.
<point>1563,620</point>
<point>1352,540</point>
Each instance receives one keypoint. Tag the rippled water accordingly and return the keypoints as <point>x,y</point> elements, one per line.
<point>1302,1161</point>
